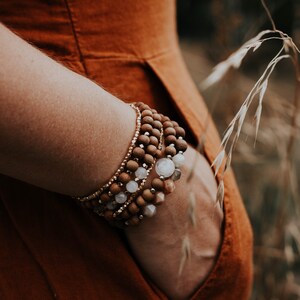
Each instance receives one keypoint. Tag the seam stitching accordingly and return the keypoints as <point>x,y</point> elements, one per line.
<point>75,35</point>
<point>124,57</point>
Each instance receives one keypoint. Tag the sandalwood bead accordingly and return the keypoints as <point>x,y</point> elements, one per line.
<point>146,128</point>
<point>157,124</point>
<point>104,197</point>
<point>124,177</point>
<point>138,153</point>
<point>144,107</point>
<point>169,186</point>
<point>133,208</point>
<point>140,201</point>
<point>180,131</point>
<point>153,140</point>
<point>134,221</point>
<point>159,154</point>
<point>181,145</point>
<point>143,139</point>
<point>168,124</point>
<point>147,120</point>
<point>148,195</point>
<point>170,139</point>
<point>154,111</point>
<point>115,188</point>
<point>148,159</point>
<point>146,112</point>
<point>156,133</point>
<point>125,214</point>
<point>157,184</point>
<point>164,119</point>
<point>170,150</point>
<point>169,131</point>
<point>157,117</point>
<point>95,202</point>
<point>175,124</point>
<point>151,149</point>
<point>108,215</point>
<point>132,165</point>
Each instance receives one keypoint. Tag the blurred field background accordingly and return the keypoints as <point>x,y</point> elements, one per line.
<point>209,32</point>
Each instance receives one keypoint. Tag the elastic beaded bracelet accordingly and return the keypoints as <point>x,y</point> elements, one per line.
<point>168,171</point>
<point>138,172</point>
<point>131,199</point>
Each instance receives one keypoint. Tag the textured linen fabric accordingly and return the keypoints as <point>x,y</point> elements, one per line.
<point>50,247</point>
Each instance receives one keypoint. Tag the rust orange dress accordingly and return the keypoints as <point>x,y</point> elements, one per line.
<point>52,248</point>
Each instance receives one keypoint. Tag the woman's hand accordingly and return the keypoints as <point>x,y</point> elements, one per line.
<point>185,234</point>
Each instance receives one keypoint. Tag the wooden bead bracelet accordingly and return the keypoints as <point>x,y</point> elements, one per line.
<point>167,168</point>
<point>139,161</point>
<point>124,200</point>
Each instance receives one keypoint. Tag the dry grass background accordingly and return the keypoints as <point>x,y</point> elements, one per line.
<point>270,187</point>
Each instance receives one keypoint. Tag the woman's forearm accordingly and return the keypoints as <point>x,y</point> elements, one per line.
<point>58,130</point>
<point>62,132</point>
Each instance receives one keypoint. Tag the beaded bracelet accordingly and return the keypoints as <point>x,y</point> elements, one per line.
<point>112,194</point>
<point>124,200</point>
<point>167,168</point>
<point>96,194</point>
<point>138,167</point>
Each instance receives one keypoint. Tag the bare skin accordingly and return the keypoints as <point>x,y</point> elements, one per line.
<point>56,128</point>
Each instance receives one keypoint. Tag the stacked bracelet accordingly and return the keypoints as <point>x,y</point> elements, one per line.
<point>125,200</point>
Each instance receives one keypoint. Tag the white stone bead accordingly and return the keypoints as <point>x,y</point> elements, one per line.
<point>149,210</point>
<point>132,186</point>
<point>165,167</point>
<point>141,173</point>
<point>160,198</point>
<point>178,160</point>
<point>121,197</point>
<point>111,205</point>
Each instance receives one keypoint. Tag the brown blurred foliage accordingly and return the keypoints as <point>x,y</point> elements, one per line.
<point>210,31</point>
